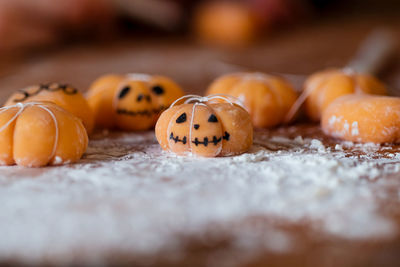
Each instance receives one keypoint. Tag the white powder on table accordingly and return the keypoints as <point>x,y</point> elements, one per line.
<point>129,195</point>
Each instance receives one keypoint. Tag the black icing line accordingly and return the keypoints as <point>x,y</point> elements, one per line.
<point>48,87</point>
<point>205,141</point>
<point>146,112</point>
<point>135,113</point>
<point>176,139</point>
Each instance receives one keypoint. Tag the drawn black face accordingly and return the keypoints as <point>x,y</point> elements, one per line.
<point>134,99</point>
<point>206,141</point>
<point>24,94</point>
<point>158,90</point>
<point>160,96</point>
<point>182,118</point>
<point>124,91</point>
<point>204,138</point>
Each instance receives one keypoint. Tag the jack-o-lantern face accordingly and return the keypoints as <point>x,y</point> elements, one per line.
<point>132,101</point>
<point>134,106</point>
<point>63,95</point>
<point>195,127</point>
<point>205,129</point>
<point>162,90</point>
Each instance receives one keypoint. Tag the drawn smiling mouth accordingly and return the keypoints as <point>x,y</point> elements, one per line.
<point>145,112</point>
<point>205,141</point>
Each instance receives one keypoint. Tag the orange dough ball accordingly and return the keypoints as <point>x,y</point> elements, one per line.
<point>267,98</point>
<point>63,95</point>
<point>205,129</point>
<point>363,118</point>
<point>101,97</point>
<point>131,102</point>
<point>36,134</point>
<point>323,87</point>
<point>225,23</point>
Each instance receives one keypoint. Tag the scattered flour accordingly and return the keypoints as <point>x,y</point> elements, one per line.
<point>354,129</point>
<point>126,194</point>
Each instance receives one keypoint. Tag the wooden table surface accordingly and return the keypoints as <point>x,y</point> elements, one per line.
<point>301,51</point>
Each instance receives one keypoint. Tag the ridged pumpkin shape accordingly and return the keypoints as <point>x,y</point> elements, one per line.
<point>322,88</point>
<point>63,95</point>
<point>267,98</point>
<point>37,134</point>
<point>205,129</point>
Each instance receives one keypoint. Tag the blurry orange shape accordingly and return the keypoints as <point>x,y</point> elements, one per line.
<point>131,102</point>
<point>323,87</point>
<point>266,97</point>
<point>225,23</point>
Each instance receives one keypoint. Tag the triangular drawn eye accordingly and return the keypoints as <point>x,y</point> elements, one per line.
<point>212,118</point>
<point>181,118</point>
<point>124,92</point>
<point>158,90</point>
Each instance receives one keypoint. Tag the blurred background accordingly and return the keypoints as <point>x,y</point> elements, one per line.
<point>193,41</point>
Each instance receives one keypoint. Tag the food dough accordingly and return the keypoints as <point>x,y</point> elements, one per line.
<point>205,128</point>
<point>323,87</point>
<point>36,134</point>
<point>267,98</point>
<point>131,102</point>
<point>363,118</point>
<point>63,95</point>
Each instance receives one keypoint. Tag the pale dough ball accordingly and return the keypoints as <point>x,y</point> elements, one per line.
<point>363,118</point>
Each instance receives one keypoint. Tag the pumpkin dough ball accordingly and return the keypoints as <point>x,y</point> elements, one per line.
<point>36,134</point>
<point>267,98</point>
<point>225,23</point>
<point>205,129</point>
<point>101,97</point>
<point>363,118</point>
<point>63,95</point>
<point>131,102</point>
<point>323,87</point>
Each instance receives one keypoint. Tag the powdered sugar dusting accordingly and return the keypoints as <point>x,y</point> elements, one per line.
<point>126,194</point>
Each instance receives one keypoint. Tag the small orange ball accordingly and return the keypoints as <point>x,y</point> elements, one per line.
<point>205,129</point>
<point>267,98</point>
<point>62,95</point>
<point>324,87</point>
<point>225,23</point>
<point>363,118</point>
<point>37,134</point>
<point>131,102</point>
